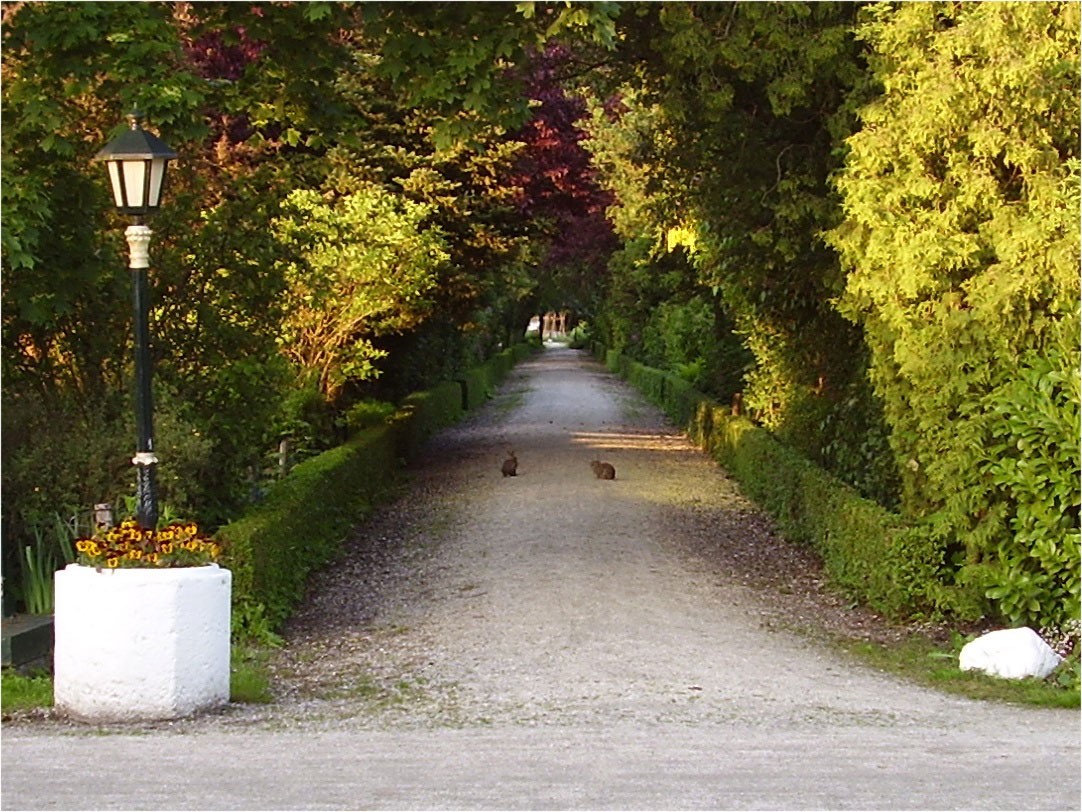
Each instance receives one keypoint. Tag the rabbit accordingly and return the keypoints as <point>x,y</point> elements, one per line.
<point>510,465</point>
<point>603,470</point>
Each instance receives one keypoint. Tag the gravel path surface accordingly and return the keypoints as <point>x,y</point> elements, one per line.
<point>554,597</point>
<point>552,640</point>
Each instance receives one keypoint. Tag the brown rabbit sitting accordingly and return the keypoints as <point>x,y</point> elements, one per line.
<point>510,465</point>
<point>603,470</point>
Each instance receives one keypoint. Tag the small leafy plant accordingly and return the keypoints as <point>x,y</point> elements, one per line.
<point>52,545</point>
<point>176,545</point>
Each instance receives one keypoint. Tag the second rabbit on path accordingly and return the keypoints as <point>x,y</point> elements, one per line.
<point>510,465</point>
<point>603,470</point>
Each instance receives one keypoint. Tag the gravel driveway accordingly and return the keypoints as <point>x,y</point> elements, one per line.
<point>553,640</point>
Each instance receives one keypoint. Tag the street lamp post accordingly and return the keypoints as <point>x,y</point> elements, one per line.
<point>137,163</point>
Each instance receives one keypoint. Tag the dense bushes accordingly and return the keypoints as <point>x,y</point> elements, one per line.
<point>883,208</point>
<point>424,413</point>
<point>1024,553</point>
<point>862,217</point>
<point>312,242</point>
<point>868,551</point>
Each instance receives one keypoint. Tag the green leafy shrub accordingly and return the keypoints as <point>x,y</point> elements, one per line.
<point>682,401</point>
<point>1030,568</point>
<point>960,233</point>
<point>476,386</point>
<point>649,381</point>
<point>678,333</point>
<point>580,336</point>
<point>524,350</point>
<point>479,382</point>
<point>618,362</point>
<point>852,441</point>
<point>868,551</point>
<point>365,414</point>
<point>59,451</point>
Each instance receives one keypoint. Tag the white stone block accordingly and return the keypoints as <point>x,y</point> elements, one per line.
<point>141,644</point>
<point>1010,653</point>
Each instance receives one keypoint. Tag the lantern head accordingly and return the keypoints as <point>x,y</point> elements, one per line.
<point>137,161</point>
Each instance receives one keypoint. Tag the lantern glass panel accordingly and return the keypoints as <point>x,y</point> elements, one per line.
<point>135,178</point>
<point>117,184</point>
<point>157,179</point>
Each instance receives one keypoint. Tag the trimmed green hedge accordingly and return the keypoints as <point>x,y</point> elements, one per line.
<point>479,383</point>
<point>617,362</point>
<point>422,414</point>
<point>476,387</point>
<point>869,552</point>
<point>300,526</point>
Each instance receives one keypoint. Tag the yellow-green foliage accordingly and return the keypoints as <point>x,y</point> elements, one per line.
<point>961,238</point>
<point>367,266</point>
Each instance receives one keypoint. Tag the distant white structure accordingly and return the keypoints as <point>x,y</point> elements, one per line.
<point>550,325</point>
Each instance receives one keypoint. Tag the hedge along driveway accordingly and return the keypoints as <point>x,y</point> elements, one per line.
<point>272,549</point>
<point>299,527</point>
<point>873,555</point>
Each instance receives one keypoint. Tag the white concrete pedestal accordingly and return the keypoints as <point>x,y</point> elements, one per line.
<point>141,644</point>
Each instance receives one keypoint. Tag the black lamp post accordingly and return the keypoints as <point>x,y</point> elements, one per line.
<point>137,162</point>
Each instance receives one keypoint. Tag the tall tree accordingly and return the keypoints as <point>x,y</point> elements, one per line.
<point>560,190</point>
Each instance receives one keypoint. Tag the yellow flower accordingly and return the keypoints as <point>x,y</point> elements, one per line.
<point>130,545</point>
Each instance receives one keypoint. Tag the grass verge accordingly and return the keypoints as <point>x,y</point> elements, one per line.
<point>922,660</point>
<point>249,682</point>
<point>20,692</point>
<point>918,659</point>
<point>249,676</point>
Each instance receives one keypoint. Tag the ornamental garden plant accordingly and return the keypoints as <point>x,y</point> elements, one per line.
<point>179,544</point>
<point>142,625</point>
